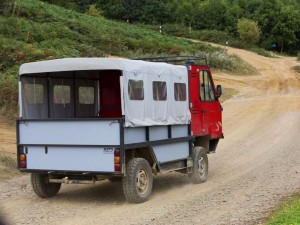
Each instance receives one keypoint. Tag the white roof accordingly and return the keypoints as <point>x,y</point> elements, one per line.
<point>79,64</point>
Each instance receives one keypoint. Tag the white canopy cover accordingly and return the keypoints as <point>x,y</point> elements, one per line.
<point>145,112</point>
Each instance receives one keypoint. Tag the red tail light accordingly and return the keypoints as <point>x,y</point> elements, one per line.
<point>117,167</point>
<point>117,160</point>
<point>22,162</point>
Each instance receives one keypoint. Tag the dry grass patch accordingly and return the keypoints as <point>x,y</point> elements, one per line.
<point>8,167</point>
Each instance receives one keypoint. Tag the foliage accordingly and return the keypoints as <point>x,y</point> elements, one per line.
<point>263,52</point>
<point>226,62</point>
<point>280,23</point>
<point>93,11</point>
<point>278,19</point>
<point>248,30</point>
<point>288,213</point>
<point>39,31</point>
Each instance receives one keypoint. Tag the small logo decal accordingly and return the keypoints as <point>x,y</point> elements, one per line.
<point>108,150</point>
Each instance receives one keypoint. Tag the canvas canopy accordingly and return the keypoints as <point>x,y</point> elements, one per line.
<point>159,87</point>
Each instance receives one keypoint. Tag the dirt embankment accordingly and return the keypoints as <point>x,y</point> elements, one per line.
<point>256,165</point>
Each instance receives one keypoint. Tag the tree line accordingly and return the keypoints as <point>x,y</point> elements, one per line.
<point>278,20</point>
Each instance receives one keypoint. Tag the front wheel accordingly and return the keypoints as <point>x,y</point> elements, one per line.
<point>137,184</point>
<point>42,187</point>
<point>200,165</point>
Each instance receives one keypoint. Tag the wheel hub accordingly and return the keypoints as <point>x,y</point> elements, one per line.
<point>201,166</point>
<point>142,181</point>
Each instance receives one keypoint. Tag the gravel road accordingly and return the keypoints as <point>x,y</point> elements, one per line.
<point>255,166</point>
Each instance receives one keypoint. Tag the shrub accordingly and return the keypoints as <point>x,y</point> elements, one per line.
<point>263,52</point>
<point>249,31</point>
<point>231,63</point>
<point>93,11</point>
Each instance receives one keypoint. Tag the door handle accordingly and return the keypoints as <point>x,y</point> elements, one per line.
<point>203,111</point>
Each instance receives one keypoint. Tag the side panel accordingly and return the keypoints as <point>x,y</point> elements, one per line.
<point>70,159</point>
<point>179,131</point>
<point>158,133</point>
<point>71,132</point>
<point>171,152</point>
<point>134,135</point>
<point>138,134</point>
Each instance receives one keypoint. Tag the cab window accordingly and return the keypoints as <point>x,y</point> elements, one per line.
<point>206,88</point>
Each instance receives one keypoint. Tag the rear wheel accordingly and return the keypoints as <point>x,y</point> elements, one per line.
<point>42,187</point>
<point>137,184</point>
<point>200,165</point>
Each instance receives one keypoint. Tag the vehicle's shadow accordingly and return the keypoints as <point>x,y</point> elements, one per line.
<point>112,192</point>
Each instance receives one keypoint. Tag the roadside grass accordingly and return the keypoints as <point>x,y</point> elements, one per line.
<point>288,213</point>
<point>230,63</point>
<point>228,93</point>
<point>8,167</point>
<point>263,52</point>
<point>298,56</point>
<point>297,69</point>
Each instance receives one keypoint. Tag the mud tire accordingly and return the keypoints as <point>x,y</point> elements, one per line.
<point>138,182</point>
<point>42,187</point>
<point>200,165</point>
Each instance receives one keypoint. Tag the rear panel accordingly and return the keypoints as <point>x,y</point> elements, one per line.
<point>70,159</point>
<point>74,145</point>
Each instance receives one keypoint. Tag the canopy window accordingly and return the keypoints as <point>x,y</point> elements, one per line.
<point>34,98</point>
<point>60,95</point>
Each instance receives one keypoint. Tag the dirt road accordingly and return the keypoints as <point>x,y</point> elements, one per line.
<point>256,165</point>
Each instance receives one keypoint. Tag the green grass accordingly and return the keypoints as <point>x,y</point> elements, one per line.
<point>288,213</point>
<point>263,52</point>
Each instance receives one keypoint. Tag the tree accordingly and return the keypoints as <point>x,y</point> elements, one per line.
<point>232,15</point>
<point>286,28</point>
<point>156,12</point>
<point>249,31</point>
<point>211,15</point>
<point>185,11</point>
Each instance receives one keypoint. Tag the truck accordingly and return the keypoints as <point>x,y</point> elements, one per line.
<point>83,120</point>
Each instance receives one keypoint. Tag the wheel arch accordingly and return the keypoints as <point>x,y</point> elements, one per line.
<point>206,142</point>
<point>146,153</point>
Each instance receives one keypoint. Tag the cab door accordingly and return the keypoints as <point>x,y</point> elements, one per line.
<point>205,107</point>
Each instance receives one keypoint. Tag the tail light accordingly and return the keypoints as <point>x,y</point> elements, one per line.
<point>22,160</point>
<point>117,160</point>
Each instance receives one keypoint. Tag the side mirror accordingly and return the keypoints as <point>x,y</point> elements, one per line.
<point>219,90</point>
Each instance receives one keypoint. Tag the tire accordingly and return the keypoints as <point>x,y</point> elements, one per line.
<point>138,182</point>
<point>200,165</point>
<point>42,187</point>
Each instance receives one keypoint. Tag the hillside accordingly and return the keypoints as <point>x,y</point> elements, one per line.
<point>31,30</point>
